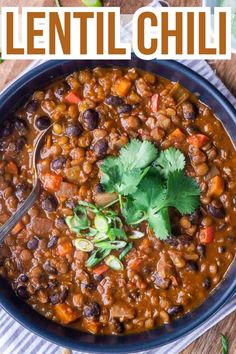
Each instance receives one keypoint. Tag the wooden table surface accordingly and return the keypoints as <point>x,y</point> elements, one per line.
<point>210,342</point>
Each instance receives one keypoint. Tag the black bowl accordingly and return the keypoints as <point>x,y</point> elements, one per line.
<point>18,93</point>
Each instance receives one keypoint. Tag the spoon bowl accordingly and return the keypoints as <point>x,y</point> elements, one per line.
<point>27,204</point>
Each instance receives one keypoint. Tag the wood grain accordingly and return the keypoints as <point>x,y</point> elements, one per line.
<point>210,342</point>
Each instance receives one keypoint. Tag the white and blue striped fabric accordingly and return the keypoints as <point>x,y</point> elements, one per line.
<point>14,339</point>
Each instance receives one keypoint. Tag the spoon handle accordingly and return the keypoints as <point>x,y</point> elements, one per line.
<point>13,220</point>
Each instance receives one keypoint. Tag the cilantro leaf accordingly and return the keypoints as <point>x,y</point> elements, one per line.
<point>151,191</point>
<point>138,154</point>
<point>183,193</point>
<point>116,178</point>
<point>160,223</point>
<point>170,160</point>
<point>131,214</point>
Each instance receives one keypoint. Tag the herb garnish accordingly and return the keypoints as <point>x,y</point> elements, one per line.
<point>148,183</point>
<point>224,343</point>
<point>1,60</point>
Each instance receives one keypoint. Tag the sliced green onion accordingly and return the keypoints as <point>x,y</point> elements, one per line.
<point>101,223</point>
<point>126,250</point>
<point>90,206</point>
<point>97,257</point>
<point>136,234</point>
<point>113,245</point>
<point>114,263</point>
<point>101,236</point>
<point>83,244</point>
<point>58,3</point>
<point>94,3</point>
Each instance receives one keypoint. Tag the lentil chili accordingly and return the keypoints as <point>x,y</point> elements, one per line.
<point>94,114</point>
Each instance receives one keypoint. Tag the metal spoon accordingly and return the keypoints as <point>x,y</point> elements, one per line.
<point>13,220</point>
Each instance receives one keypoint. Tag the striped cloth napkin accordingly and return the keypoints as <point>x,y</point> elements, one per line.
<point>14,339</point>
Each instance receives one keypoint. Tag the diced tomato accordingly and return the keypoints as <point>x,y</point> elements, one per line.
<point>71,97</point>
<point>198,140</point>
<point>11,168</point>
<point>207,234</point>
<point>100,269</point>
<point>16,229</point>
<point>91,326</point>
<point>64,248</point>
<point>217,186</point>
<point>65,313</point>
<point>52,182</point>
<point>177,136</point>
<point>155,102</point>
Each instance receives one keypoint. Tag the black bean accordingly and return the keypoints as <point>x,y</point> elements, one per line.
<point>100,148</point>
<point>74,130</point>
<point>99,188</point>
<point>53,284</point>
<point>58,163</point>
<point>221,249</point>
<point>60,223</point>
<point>62,89</point>
<point>33,243</point>
<point>22,191</point>
<point>119,326</point>
<point>201,250</point>
<point>195,217</point>
<point>20,143</point>
<point>98,277</point>
<point>189,110</point>
<point>55,298</point>
<point>52,242</point>
<point>114,101</point>
<point>22,292</point>
<point>32,106</point>
<point>218,213</point>
<point>21,126</point>
<point>206,283</point>
<point>89,286</point>
<point>192,265</point>
<point>160,282</point>
<point>175,310</point>
<point>92,310</point>
<point>230,238</point>
<point>193,129</point>
<point>64,294</point>
<point>43,122</point>
<point>70,204</point>
<point>49,269</point>
<point>90,119</point>
<point>7,129</point>
<point>23,278</point>
<point>50,204</point>
<point>124,108</point>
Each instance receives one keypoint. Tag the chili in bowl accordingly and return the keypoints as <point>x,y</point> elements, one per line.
<point>134,227</point>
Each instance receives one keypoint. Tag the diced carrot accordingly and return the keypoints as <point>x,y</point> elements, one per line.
<point>91,326</point>
<point>64,248</point>
<point>100,269</point>
<point>122,86</point>
<point>11,168</point>
<point>16,229</point>
<point>52,182</point>
<point>198,140</point>
<point>217,186</point>
<point>65,313</point>
<point>177,136</point>
<point>155,102</point>
<point>71,97</point>
<point>207,234</point>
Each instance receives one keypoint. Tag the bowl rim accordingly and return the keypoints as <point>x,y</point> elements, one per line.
<point>5,303</point>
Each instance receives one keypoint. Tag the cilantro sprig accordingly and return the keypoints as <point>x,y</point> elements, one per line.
<point>150,183</point>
